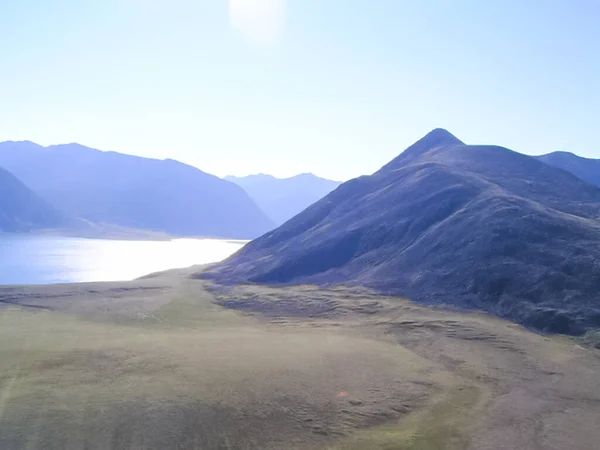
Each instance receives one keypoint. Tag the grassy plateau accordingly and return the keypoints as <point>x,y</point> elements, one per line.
<point>172,361</point>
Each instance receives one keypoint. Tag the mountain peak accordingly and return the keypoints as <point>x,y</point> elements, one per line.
<point>587,169</point>
<point>20,144</point>
<point>474,226</point>
<point>439,137</point>
<point>435,138</point>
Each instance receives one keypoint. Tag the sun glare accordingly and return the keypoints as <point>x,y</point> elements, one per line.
<point>261,22</point>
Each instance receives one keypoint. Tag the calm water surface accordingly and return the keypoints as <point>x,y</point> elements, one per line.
<point>47,259</point>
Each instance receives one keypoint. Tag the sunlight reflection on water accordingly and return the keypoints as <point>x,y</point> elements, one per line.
<point>46,259</point>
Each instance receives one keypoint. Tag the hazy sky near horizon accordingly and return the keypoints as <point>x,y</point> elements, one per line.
<point>333,87</point>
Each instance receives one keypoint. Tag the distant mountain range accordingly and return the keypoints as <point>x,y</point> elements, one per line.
<point>283,198</point>
<point>585,168</point>
<point>133,192</point>
<point>21,210</point>
<point>473,226</point>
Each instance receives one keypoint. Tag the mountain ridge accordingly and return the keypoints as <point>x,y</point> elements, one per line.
<point>283,198</point>
<point>22,210</point>
<point>588,169</point>
<point>134,192</point>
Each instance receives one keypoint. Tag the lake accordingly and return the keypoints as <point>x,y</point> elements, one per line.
<point>27,259</point>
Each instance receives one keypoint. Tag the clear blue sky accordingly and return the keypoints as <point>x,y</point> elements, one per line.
<point>335,87</point>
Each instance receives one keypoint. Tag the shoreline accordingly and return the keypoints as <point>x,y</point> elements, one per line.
<point>133,235</point>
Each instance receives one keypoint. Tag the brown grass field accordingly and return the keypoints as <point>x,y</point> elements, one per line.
<point>172,362</point>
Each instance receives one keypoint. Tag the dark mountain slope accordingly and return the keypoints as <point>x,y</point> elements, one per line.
<point>21,210</point>
<point>585,168</point>
<point>444,222</point>
<point>134,192</point>
<point>283,198</point>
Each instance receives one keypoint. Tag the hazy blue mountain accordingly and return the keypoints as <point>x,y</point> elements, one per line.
<point>585,168</point>
<point>469,225</point>
<point>283,198</point>
<point>22,210</point>
<point>134,192</point>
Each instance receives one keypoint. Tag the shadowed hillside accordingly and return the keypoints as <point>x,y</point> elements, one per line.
<point>283,198</point>
<point>444,222</point>
<point>129,191</point>
<point>585,168</point>
<point>22,210</point>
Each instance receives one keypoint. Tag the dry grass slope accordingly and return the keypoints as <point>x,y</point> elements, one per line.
<point>170,362</point>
